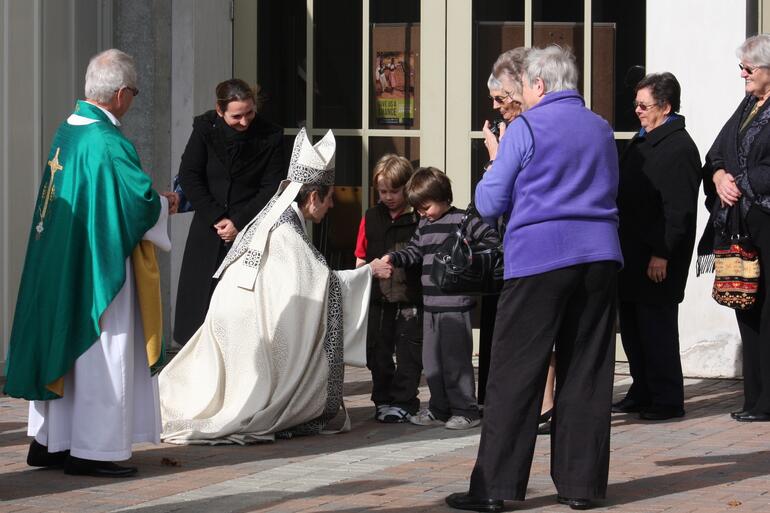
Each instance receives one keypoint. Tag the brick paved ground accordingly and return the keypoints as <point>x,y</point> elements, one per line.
<point>704,462</point>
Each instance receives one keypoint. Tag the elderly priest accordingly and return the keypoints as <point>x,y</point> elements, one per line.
<point>87,325</point>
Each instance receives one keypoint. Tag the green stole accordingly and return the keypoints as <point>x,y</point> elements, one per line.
<point>94,206</point>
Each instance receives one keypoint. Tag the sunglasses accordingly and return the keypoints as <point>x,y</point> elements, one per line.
<point>503,99</point>
<point>643,107</point>
<point>749,69</point>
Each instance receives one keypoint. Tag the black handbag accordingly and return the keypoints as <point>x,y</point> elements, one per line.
<point>463,267</point>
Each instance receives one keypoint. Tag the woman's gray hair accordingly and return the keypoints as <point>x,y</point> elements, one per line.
<point>755,50</point>
<point>510,65</point>
<point>107,72</point>
<point>554,65</point>
<point>493,84</point>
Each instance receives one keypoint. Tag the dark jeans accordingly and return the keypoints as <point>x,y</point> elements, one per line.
<point>754,324</point>
<point>650,336</point>
<point>395,328</point>
<point>575,308</point>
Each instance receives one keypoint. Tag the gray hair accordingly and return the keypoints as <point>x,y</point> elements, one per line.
<point>755,50</point>
<point>510,65</point>
<point>107,72</point>
<point>493,84</point>
<point>554,65</point>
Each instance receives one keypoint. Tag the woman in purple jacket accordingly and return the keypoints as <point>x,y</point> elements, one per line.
<point>556,179</point>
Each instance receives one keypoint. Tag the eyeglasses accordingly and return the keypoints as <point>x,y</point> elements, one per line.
<point>502,99</point>
<point>133,90</point>
<point>644,107</point>
<point>749,69</point>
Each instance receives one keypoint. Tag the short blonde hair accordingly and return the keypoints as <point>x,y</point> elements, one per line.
<point>394,169</point>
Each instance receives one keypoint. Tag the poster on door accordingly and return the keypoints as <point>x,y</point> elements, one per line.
<point>394,83</point>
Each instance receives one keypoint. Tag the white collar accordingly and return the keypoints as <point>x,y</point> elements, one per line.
<point>76,119</point>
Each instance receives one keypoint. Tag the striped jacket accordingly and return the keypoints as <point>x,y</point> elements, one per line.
<point>421,249</point>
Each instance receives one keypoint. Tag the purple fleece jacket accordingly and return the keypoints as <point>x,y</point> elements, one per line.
<point>555,179</point>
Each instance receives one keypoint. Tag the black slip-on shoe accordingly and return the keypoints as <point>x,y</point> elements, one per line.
<point>470,503</point>
<point>38,456</point>
<point>627,406</point>
<point>736,414</point>
<point>753,417</point>
<point>661,412</point>
<point>82,467</point>
<point>575,503</point>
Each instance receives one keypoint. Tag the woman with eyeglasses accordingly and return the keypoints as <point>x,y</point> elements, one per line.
<point>737,183</point>
<point>657,201</point>
<point>508,106</point>
<point>230,169</point>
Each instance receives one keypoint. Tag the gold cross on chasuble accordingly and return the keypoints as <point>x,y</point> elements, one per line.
<point>49,192</point>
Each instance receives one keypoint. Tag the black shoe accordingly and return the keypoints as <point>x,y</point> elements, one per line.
<point>470,503</point>
<point>627,406</point>
<point>545,416</point>
<point>736,414</point>
<point>81,467</point>
<point>575,503</point>
<point>753,417</point>
<point>38,456</point>
<point>544,428</point>
<point>661,412</point>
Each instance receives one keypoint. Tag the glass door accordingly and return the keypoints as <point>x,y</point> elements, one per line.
<point>371,70</point>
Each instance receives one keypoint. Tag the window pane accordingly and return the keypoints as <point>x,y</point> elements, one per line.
<point>281,60</point>
<point>394,88</point>
<point>337,63</point>
<point>561,22</point>
<point>335,237</point>
<point>626,63</point>
<point>497,27</point>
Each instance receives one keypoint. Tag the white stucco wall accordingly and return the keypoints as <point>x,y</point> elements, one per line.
<point>696,41</point>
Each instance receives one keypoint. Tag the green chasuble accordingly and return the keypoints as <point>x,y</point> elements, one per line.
<point>94,206</point>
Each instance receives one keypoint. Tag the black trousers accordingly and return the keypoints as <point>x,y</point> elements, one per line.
<point>650,336</point>
<point>575,308</point>
<point>395,328</point>
<point>754,324</point>
<point>486,331</point>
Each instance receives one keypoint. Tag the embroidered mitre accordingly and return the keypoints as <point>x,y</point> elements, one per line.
<point>312,164</point>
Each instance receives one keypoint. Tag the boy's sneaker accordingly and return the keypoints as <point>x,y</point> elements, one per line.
<point>425,418</point>
<point>380,410</point>
<point>396,415</point>
<point>458,422</point>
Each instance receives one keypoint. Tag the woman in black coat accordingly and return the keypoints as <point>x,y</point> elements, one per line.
<point>737,182</point>
<point>230,169</point>
<point>660,173</point>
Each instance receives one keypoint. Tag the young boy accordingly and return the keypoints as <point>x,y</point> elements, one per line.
<point>395,314</point>
<point>447,337</point>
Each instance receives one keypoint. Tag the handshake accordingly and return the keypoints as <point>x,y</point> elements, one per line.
<point>173,201</point>
<point>381,267</point>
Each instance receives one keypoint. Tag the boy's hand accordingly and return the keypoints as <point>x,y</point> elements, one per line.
<point>381,269</point>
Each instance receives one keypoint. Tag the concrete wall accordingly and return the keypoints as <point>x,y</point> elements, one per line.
<point>696,41</point>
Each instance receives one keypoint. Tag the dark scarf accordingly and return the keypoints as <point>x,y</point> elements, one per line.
<point>718,231</point>
<point>233,139</point>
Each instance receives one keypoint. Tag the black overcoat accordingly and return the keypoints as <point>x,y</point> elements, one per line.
<point>221,186</point>
<point>660,174</point>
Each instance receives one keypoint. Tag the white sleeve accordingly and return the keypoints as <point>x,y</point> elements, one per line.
<point>158,234</point>
<point>356,285</point>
